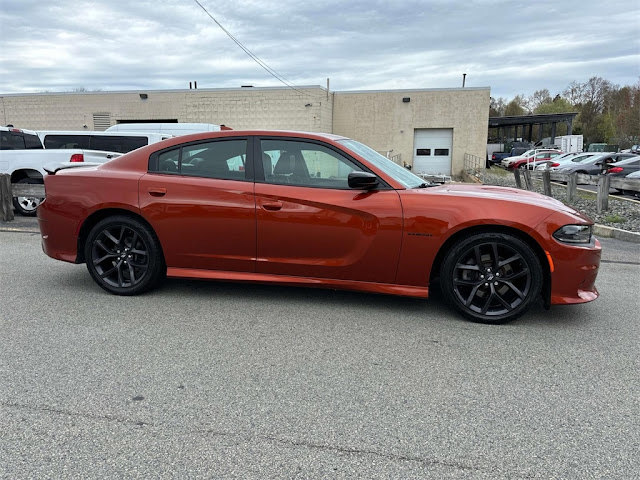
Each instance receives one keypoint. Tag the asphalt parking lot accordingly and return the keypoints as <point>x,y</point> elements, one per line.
<point>222,380</point>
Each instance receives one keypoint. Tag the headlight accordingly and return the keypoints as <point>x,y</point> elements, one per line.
<point>574,234</point>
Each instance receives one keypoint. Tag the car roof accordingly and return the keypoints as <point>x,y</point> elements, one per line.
<point>14,129</point>
<point>629,160</point>
<point>259,133</point>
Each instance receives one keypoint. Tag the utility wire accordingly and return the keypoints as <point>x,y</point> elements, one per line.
<point>254,57</point>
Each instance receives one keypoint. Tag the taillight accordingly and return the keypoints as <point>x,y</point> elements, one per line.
<point>616,169</point>
<point>555,164</point>
<point>493,157</point>
<point>77,158</point>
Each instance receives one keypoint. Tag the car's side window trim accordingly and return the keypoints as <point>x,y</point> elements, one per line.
<point>259,169</point>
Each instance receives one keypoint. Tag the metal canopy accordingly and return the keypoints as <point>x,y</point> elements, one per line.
<point>531,119</point>
<point>506,123</point>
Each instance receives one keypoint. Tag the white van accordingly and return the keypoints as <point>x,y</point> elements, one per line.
<point>174,129</point>
<point>105,141</point>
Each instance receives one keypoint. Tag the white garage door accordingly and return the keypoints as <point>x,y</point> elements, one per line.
<point>432,150</point>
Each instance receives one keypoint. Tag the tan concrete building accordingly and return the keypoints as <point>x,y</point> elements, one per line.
<point>431,129</point>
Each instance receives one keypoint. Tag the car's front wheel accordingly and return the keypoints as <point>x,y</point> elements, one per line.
<point>124,256</point>
<point>27,206</point>
<point>491,277</point>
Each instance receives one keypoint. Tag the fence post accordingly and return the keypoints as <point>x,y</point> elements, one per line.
<point>6,199</point>
<point>527,179</point>
<point>516,174</point>
<point>603,192</point>
<point>572,187</point>
<point>546,182</point>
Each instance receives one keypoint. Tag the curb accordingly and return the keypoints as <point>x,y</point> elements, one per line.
<point>17,229</point>
<point>612,232</point>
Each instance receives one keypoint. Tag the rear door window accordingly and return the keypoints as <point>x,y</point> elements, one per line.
<point>66,141</point>
<point>120,144</point>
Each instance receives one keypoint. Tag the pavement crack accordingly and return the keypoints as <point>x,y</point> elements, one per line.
<point>619,262</point>
<point>389,456</point>
<point>68,413</point>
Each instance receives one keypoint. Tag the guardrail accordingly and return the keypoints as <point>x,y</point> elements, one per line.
<point>9,190</point>
<point>604,183</point>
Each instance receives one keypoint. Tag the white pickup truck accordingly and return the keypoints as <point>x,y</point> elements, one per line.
<point>23,156</point>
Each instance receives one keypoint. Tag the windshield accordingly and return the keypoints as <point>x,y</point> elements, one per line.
<point>400,174</point>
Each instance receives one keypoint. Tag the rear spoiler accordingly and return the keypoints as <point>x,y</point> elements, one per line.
<point>52,169</point>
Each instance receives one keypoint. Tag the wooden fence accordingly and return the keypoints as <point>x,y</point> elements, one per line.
<point>604,183</point>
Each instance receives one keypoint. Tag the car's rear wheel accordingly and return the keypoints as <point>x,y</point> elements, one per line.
<point>124,256</point>
<point>491,278</point>
<point>27,206</point>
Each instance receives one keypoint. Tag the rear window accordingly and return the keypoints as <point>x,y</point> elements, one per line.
<point>32,142</point>
<point>18,140</point>
<point>109,143</point>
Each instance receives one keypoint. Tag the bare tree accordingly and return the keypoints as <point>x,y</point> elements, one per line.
<point>539,97</point>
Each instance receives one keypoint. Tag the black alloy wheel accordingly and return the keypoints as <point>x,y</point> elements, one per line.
<point>123,256</point>
<point>491,278</point>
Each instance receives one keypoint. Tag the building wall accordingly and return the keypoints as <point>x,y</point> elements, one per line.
<point>307,108</point>
<point>383,121</point>
<point>377,118</point>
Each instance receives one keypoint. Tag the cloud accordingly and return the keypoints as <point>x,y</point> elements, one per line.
<point>512,46</point>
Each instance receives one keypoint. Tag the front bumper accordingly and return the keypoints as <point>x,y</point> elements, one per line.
<point>575,268</point>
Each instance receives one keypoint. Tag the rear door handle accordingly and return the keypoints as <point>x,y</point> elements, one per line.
<point>157,192</point>
<point>272,206</point>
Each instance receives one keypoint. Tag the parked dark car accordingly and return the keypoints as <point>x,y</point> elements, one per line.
<point>497,157</point>
<point>624,168</point>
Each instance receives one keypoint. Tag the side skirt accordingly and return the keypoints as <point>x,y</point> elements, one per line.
<point>386,288</point>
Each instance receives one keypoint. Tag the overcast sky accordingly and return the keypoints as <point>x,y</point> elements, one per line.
<point>511,46</point>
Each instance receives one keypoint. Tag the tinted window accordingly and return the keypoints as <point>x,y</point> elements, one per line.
<point>423,151</point>
<point>32,142</point>
<point>305,164</point>
<point>121,144</point>
<point>66,141</point>
<point>167,162</point>
<point>11,141</point>
<point>441,151</point>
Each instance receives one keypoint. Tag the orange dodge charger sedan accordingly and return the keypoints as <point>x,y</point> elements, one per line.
<point>313,209</point>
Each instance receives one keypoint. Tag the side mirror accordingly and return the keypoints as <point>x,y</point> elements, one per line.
<point>362,180</point>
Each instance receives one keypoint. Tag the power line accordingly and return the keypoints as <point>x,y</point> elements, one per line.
<point>254,57</point>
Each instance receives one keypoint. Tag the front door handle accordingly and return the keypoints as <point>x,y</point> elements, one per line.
<point>272,206</point>
<point>157,191</point>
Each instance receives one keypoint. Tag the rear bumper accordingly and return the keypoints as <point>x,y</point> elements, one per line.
<point>58,234</point>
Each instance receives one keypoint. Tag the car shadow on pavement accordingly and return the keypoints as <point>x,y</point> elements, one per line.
<point>292,297</point>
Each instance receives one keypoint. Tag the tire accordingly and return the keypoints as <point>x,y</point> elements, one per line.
<point>491,277</point>
<point>27,206</point>
<point>124,256</point>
